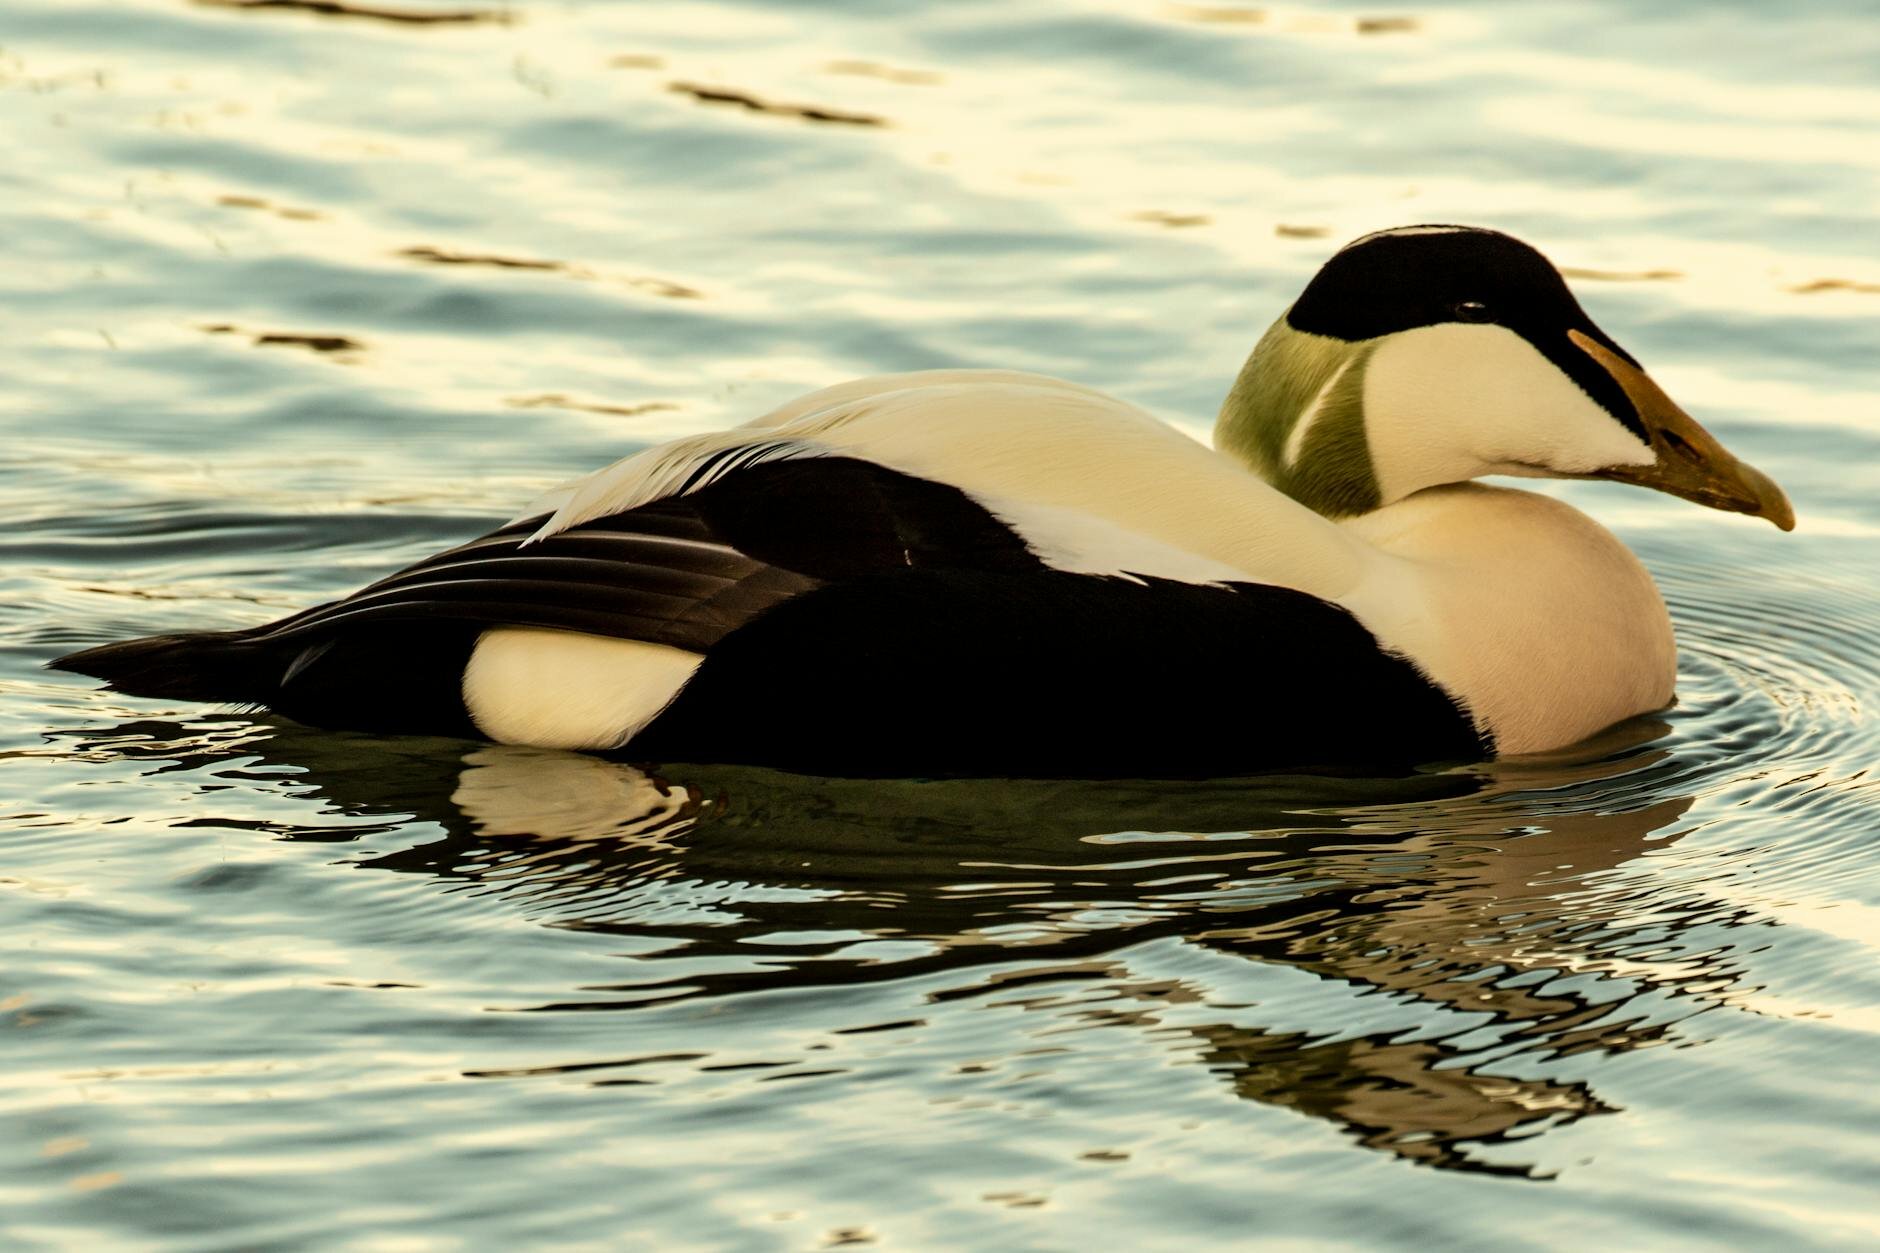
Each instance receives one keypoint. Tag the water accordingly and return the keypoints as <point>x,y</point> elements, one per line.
<point>291,299</point>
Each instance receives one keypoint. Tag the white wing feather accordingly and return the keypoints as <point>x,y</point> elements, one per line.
<point>1043,446</point>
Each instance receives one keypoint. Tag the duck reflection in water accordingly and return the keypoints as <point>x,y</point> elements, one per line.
<point>1489,903</point>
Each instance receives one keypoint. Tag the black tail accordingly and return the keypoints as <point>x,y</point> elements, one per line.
<point>396,678</point>
<point>217,667</point>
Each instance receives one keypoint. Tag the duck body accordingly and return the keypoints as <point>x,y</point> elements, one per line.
<point>902,575</point>
<point>991,573</point>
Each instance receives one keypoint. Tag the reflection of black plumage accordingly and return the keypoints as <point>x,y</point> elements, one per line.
<point>1436,889</point>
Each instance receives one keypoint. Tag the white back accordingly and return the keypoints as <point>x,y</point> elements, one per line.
<point>1029,440</point>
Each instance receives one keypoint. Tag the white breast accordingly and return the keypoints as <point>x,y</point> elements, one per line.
<point>1521,606</point>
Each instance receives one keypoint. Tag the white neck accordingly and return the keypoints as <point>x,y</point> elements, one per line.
<point>1450,403</point>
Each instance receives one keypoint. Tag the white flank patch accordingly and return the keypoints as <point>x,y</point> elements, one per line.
<point>1296,438</point>
<point>1078,543</point>
<point>562,689</point>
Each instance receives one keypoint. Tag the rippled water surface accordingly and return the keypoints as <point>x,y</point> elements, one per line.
<point>294,293</point>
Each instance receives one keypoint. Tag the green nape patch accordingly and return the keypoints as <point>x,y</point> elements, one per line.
<point>1290,374</point>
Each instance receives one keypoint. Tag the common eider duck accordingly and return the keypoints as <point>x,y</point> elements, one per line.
<point>987,572</point>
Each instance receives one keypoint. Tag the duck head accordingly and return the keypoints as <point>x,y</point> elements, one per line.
<point>1428,355</point>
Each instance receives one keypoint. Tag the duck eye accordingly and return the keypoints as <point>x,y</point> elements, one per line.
<point>1472,311</point>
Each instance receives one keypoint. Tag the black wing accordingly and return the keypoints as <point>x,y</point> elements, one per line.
<point>684,571</point>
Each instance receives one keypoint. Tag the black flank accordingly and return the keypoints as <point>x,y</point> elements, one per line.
<point>1050,674</point>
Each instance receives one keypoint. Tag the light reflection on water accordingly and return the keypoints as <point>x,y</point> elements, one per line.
<point>298,298</point>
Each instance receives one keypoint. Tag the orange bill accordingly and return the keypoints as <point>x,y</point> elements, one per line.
<point>1690,462</point>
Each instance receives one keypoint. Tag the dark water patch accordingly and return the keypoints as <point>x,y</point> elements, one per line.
<point>1163,217</point>
<point>579,1068</point>
<point>755,104</point>
<point>237,878</point>
<point>1818,285</point>
<point>324,344</point>
<point>1243,17</point>
<point>663,287</point>
<point>1397,1097</point>
<point>556,400</point>
<point>445,256</point>
<point>318,343</point>
<point>848,1237</point>
<point>902,1025</point>
<point>370,12</point>
<point>1621,276</point>
<point>264,205</point>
